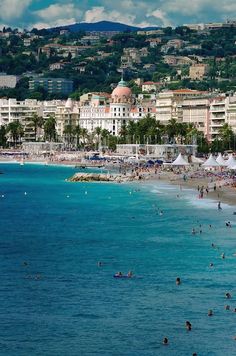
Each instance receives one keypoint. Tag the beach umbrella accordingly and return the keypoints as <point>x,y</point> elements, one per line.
<point>210,162</point>
<point>231,162</point>
<point>221,160</point>
<point>180,161</point>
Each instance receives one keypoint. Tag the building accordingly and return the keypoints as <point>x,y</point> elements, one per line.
<point>185,105</point>
<point>27,42</point>
<point>195,110</point>
<point>198,71</point>
<point>63,50</point>
<point>56,66</point>
<point>165,152</point>
<point>111,112</point>
<point>52,85</point>
<point>149,87</point>
<point>8,81</point>
<point>150,32</point>
<point>12,110</point>
<point>218,112</point>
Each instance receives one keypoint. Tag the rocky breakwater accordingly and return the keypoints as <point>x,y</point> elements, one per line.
<point>102,177</point>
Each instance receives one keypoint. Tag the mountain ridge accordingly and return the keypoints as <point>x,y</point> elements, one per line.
<point>102,26</point>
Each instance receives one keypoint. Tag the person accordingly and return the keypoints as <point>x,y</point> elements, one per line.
<point>211,264</point>
<point>227,295</point>
<point>99,264</point>
<point>178,281</point>
<point>188,325</point>
<point>130,274</point>
<point>227,307</point>
<point>210,312</point>
<point>228,224</point>
<point>219,206</point>
<point>223,255</point>
<point>214,187</point>
<point>193,231</point>
<point>165,341</point>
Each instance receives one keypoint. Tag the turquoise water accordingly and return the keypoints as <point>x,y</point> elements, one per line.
<point>62,303</point>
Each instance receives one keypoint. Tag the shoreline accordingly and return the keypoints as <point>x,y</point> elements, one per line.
<point>223,193</point>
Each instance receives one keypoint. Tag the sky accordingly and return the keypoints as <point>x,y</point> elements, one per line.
<point>26,14</point>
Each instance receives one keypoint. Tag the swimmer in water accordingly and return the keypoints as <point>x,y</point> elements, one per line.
<point>178,281</point>
<point>228,295</point>
<point>223,255</point>
<point>193,231</point>
<point>188,325</point>
<point>130,274</point>
<point>99,264</point>
<point>165,341</point>
<point>210,312</point>
<point>211,264</point>
<point>227,307</point>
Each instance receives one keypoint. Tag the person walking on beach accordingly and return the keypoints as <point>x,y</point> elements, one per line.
<point>219,206</point>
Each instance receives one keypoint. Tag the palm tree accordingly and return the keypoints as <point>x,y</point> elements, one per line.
<point>226,134</point>
<point>104,135</point>
<point>77,133</point>
<point>3,138</point>
<point>50,129</point>
<point>132,130</point>
<point>84,134</point>
<point>36,122</point>
<point>172,129</point>
<point>123,133</point>
<point>16,131</point>
<point>98,132</point>
<point>68,133</point>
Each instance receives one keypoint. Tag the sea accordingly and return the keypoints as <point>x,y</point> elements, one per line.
<point>56,299</point>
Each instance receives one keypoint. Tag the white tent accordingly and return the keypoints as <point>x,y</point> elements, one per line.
<point>231,162</point>
<point>221,160</point>
<point>210,162</point>
<point>180,161</point>
<point>196,160</point>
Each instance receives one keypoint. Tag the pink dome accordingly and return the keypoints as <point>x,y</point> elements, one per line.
<point>121,91</point>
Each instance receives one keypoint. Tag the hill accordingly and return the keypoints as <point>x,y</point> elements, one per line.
<point>100,26</point>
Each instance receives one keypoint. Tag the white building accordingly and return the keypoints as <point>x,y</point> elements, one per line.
<point>12,110</point>
<point>8,81</point>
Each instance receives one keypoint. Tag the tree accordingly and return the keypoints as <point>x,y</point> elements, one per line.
<point>98,132</point>
<point>36,122</point>
<point>226,134</point>
<point>84,135</point>
<point>3,137</point>
<point>50,129</point>
<point>77,134</point>
<point>69,134</point>
<point>16,131</point>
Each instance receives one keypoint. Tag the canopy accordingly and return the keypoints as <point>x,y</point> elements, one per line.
<point>180,161</point>
<point>231,162</point>
<point>210,162</point>
<point>196,159</point>
<point>221,160</point>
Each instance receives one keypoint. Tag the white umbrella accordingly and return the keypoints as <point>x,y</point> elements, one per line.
<point>210,162</point>
<point>221,160</point>
<point>180,161</point>
<point>231,162</point>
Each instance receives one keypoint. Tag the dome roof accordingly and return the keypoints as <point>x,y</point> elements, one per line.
<point>69,104</point>
<point>121,90</point>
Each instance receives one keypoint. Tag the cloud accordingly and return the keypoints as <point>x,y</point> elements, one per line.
<point>98,13</point>
<point>56,15</point>
<point>12,9</point>
<point>162,16</point>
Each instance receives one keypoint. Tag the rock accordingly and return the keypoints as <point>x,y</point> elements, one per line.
<point>100,177</point>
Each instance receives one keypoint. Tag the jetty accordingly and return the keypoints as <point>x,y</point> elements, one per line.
<point>103,177</point>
